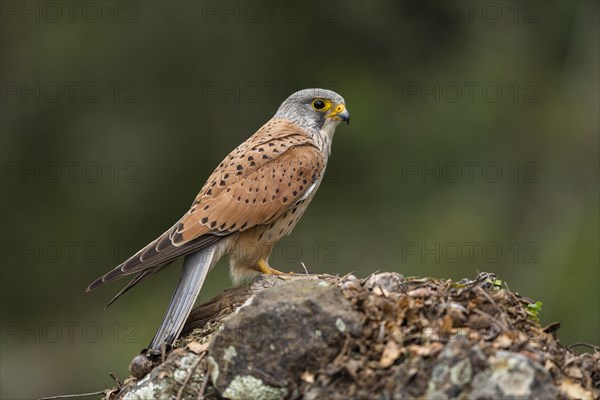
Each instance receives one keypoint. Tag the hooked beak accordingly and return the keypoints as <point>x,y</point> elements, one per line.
<point>339,113</point>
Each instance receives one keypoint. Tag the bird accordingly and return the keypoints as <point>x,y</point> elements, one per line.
<point>254,197</point>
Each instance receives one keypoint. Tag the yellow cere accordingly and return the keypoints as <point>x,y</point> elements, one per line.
<point>338,109</point>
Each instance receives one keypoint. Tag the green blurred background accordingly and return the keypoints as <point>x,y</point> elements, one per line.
<point>473,147</point>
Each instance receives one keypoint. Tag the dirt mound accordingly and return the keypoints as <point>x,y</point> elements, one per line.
<point>384,337</point>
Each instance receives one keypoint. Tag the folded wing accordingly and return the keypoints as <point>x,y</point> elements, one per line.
<point>254,185</point>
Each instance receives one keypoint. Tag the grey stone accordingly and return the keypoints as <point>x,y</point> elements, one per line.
<point>462,370</point>
<point>388,281</point>
<point>512,375</point>
<point>277,335</point>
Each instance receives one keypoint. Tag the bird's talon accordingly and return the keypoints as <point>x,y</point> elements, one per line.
<point>266,269</point>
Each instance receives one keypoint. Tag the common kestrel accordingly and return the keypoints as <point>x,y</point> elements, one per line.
<point>252,199</point>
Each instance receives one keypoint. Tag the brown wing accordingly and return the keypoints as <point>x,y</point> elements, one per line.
<point>257,182</point>
<point>240,202</point>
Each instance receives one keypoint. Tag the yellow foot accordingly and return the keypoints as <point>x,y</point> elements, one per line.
<point>265,269</point>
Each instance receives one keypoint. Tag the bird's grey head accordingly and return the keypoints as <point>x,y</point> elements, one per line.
<point>315,109</point>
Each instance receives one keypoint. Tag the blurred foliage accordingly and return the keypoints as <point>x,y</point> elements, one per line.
<point>412,185</point>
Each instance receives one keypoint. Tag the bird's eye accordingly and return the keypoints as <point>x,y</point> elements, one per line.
<point>318,104</point>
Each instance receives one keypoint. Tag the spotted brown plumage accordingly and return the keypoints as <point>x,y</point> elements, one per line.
<point>255,196</point>
<point>254,184</point>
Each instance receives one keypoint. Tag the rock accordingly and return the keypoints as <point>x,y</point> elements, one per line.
<point>265,347</point>
<point>140,366</point>
<point>512,375</point>
<point>386,337</point>
<point>463,370</point>
<point>179,372</point>
<point>388,281</point>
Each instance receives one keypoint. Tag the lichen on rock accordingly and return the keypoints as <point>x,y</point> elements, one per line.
<point>250,388</point>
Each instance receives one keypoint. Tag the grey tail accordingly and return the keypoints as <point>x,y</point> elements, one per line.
<point>195,268</point>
